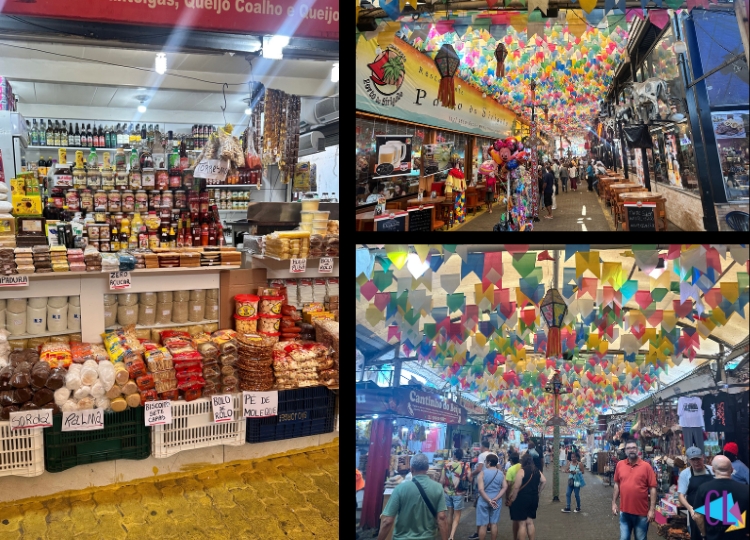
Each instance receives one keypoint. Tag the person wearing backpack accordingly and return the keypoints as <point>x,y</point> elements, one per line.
<point>417,507</point>
<point>455,481</point>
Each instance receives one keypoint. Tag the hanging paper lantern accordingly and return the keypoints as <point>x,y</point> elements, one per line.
<point>500,53</point>
<point>447,62</point>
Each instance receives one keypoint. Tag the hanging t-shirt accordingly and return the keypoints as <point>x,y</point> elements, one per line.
<point>689,409</point>
<point>718,412</point>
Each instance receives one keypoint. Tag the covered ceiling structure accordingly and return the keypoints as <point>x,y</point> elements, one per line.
<point>639,318</point>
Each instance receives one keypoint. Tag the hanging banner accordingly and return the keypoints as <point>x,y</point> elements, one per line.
<point>401,82</point>
<point>410,403</point>
<point>306,18</point>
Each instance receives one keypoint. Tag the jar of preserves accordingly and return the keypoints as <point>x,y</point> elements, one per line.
<point>148,179</point>
<point>100,216</point>
<point>203,204</point>
<point>180,199</point>
<point>94,244</point>
<point>153,240</point>
<point>194,203</point>
<point>93,231</point>
<point>93,178</point>
<point>87,200</point>
<point>79,177</point>
<point>135,180</point>
<point>104,231</point>
<point>128,201</point>
<point>104,246</point>
<point>141,201</point>
<point>154,200</point>
<point>108,180</point>
<point>122,181</point>
<point>162,179</point>
<point>72,200</point>
<point>114,201</point>
<point>167,199</point>
<point>100,200</point>
<point>175,181</point>
<point>187,178</point>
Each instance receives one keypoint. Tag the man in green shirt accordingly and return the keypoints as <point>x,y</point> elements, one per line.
<point>510,476</point>
<point>413,518</point>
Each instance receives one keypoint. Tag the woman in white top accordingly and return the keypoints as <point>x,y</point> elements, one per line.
<point>573,173</point>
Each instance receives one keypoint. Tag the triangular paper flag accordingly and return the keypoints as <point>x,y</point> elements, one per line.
<point>541,4</point>
<point>449,283</point>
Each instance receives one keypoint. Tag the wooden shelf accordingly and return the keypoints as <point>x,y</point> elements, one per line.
<point>44,334</point>
<point>170,325</point>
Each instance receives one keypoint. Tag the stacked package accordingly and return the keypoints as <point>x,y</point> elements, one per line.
<point>317,246</point>
<point>188,363</point>
<point>133,388</point>
<point>300,363</point>
<point>231,258</point>
<point>327,333</point>
<point>76,260</point>
<point>27,383</point>
<point>211,258</point>
<point>110,262</point>
<point>86,384</point>
<point>255,360</point>
<point>289,327</point>
<point>161,368</point>
<point>151,259</point>
<point>332,244</point>
<point>140,261</point>
<point>288,244</point>
<point>59,259</point>
<point>24,260</point>
<point>190,259</point>
<point>93,259</point>
<point>225,341</point>
<point>42,259</point>
<point>7,261</point>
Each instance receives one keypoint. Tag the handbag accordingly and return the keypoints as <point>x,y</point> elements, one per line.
<point>479,496</point>
<point>424,498</point>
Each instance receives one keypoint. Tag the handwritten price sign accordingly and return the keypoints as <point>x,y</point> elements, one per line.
<point>223,408</point>
<point>158,413</point>
<point>83,420</point>
<point>297,266</point>
<point>260,404</point>
<point>119,280</point>
<point>31,419</point>
<point>14,281</point>
<point>212,169</point>
<point>326,265</point>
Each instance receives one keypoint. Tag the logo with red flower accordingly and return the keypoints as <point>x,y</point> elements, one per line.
<point>387,71</point>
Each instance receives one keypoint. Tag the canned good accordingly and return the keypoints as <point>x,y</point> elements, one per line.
<point>141,201</point>
<point>87,200</point>
<point>108,180</point>
<point>148,179</point>
<point>135,180</point>
<point>114,201</point>
<point>175,181</point>
<point>162,179</point>
<point>72,200</point>
<point>128,201</point>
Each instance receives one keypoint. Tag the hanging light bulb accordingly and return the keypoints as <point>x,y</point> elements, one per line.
<point>679,47</point>
<point>161,63</point>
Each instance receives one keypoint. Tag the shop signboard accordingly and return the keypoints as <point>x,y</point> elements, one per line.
<point>392,221</point>
<point>307,18</point>
<point>401,82</point>
<point>393,153</point>
<point>410,403</point>
<point>494,416</point>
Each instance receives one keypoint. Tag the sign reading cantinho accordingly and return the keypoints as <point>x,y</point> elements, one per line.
<point>300,18</point>
<point>411,403</point>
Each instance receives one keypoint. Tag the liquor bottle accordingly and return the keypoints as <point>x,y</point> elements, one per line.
<point>60,134</point>
<point>117,136</point>
<point>144,134</point>
<point>91,134</point>
<point>204,233</point>
<point>171,238</point>
<point>55,136</point>
<point>32,133</point>
<point>124,239</point>
<point>112,137</point>
<point>164,240</point>
<point>49,135</point>
<point>150,133</point>
<point>71,135</point>
<point>107,137</point>
<point>131,137</point>
<point>196,234</point>
<point>188,240</point>
<point>114,244</point>
<point>102,137</point>
<point>77,137</point>
<point>98,137</point>
<point>212,232</point>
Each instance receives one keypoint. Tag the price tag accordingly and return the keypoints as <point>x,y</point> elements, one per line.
<point>223,408</point>
<point>14,281</point>
<point>260,404</point>
<point>158,413</point>
<point>297,266</point>
<point>326,265</point>
<point>212,169</point>
<point>87,420</point>
<point>119,280</point>
<point>31,419</point>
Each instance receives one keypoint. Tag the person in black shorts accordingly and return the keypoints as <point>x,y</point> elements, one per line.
<point>549,181</point>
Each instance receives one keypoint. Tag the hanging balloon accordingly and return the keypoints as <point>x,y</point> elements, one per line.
<point>447,62</point>
<point>500,53</point>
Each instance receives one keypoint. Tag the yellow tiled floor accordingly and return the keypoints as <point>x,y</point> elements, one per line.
<point>292,495</point>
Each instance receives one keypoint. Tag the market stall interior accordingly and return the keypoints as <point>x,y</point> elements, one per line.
<point>574,345</point>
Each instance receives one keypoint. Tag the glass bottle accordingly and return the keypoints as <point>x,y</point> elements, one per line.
<point>196,234</point>
<point>119,135</point>
<point>212,232</point>
<point>188,240</point>
<point>56,134</point>
<point>114,244</point>
<point>48,137</point>
<point>77,137</point>
<point>164,240</point>
<point>204,234</point>
<point>142,238</point>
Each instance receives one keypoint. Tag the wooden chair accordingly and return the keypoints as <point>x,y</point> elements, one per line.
<point>395,205</point>
<point>445,213</point>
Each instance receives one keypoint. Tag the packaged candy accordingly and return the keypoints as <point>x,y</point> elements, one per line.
<point>145,382</point>
<point>81,352</point>
<point>148,395</point>
<point>136,369</point>
<point>56,354</point>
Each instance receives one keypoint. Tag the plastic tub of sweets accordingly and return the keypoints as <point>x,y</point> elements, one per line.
<point>38,302</point>
<point>246,325</point>
<point>306,226</point>
<point>16,305</point>
<point>269,323</point>
<point>57,318</point>
<point>310,205</point>
<point>57,301</point>
<point>270,305</point>
<point>306,216</point>
<point>246,305</point>
<point>321,215</point>
<point>36,320</point>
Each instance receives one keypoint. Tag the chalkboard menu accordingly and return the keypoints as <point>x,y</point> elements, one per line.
<point>641,216</point>
<point>420,218</point>
<point>393,221</point>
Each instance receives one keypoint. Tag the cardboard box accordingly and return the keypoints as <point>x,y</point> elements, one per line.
<point>27,206</point>
<point>234,282</point>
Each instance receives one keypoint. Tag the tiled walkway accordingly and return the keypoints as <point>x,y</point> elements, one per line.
<point>293,495</point>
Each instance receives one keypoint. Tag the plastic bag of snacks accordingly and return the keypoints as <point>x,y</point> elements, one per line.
<point>81,352</point>
<point>56,354</point>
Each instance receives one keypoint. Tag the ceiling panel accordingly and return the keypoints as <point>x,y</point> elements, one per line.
<point>102,96</point>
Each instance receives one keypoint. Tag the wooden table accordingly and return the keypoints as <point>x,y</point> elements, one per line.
<point>620,187</point>
<point>608,185</point>
<point>435,202</point>
<point>605,181</point>
<point>645,196</point>
<point>365,221</point>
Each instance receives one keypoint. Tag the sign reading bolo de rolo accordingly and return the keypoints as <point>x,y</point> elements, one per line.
<point>401,82</point>
<point>301,18</point>
<point>409,402</point>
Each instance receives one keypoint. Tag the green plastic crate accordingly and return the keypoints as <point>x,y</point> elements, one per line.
<point>124,437</point>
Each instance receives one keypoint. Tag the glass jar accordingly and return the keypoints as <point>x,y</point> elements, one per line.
<point>187,178</point>
<point>167,199</point>
<point>93,178</point>
<point>87,200</point>
<point>94,244</point>
<point>114,201</point>
<point>72,200</point>
<point>100,200</point>
<point>100,216</point>
<point>153,240</point>
<point>93,231</point>
<point>122,181</point>
<point>108,180</point>
<point>162,179</point>
<point>79,177</point>
<point>128,201</point>
<point>141,201</point>
<point>104,246</point>
<point>104,231</point>
<point>148,179</point>
<point>194,203</point>
<point>154,202</point>
<point>175,181</point>
<point>204,204</point>
<point>180,198</point>
<point>135,180</point>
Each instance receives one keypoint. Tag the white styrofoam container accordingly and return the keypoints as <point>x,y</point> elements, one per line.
<point>21,451</point>
<point>193,427</point>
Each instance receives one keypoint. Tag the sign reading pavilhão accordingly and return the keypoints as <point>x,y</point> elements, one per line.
<point>401,82</point>
<point>411,403</point>
<point>303,18</point>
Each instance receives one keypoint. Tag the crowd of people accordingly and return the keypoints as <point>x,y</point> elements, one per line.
<point>552,174</point>
<point>423,508</point>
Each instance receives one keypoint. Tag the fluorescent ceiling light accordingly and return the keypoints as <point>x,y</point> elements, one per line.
<point>335,72</point>
<point>161,63</point>
<point>273,45</point>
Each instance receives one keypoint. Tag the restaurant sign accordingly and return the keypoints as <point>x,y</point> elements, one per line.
<point>303,18</point>
<point>494,416</point>
<point>401,82</point>
<point>410,403</point>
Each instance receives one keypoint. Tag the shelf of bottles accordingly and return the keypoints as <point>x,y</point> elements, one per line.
<point>138,193</point>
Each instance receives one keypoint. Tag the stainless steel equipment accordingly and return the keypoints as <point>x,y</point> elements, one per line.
<point>267,217</point>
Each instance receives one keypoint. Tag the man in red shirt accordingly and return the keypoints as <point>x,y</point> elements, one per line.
<point>635,481</point>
